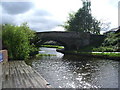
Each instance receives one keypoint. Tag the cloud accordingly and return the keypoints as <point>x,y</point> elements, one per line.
<point>42,15</point>
<point>106,11</point>
<point>16,7</point>
<point>43,24</point>
<point>8,19</point>
<point>41,12</point>
<point>119,13</point>
<point>37,18</point>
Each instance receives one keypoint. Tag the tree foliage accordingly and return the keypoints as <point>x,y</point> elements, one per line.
<point>16,39</point>
<point>113,40</point>
<point>83,21</point>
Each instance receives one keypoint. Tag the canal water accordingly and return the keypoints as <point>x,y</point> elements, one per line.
<point>71,71</point>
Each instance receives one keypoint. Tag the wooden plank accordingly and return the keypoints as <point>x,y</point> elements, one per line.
<point>34,77</point>
<point>11,83</point>
<point>0,76</point>
<point>17,74</point>
<point>30,73</point>
<point>41,79</point>
<point>37,77</point>
<point>5,75</point>
<point>22,77</point>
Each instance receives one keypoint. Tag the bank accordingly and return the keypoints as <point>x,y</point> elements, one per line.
<point>102,55</point>
<point>87,53</point>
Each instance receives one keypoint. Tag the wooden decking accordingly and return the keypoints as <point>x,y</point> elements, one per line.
<point>17,74</point>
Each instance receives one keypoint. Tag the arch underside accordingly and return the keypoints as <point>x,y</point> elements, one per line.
<point>58,41</point>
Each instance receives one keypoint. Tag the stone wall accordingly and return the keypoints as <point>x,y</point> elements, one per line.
<point>96,40</point>
<point>72,40</point>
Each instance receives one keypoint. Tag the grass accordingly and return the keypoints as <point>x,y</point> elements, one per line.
<point>87,51</point>
<point>108,54</point>
<point>53,46</point>
<point>45,55</point>
<point>40,55</point>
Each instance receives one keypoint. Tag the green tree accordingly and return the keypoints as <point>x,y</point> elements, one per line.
<point>83,21</point>
<point>16,39</point>
<point>112,40</point>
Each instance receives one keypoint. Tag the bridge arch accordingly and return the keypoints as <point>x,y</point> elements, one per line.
<point>43,40</point>
<point>70,40</point>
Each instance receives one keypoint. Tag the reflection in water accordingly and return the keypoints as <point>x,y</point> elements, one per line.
<point>70,71</point>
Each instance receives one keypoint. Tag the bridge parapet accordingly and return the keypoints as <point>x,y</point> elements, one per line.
<point>63,34</point>
<point>70,40</point>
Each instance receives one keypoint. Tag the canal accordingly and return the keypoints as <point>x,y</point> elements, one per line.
<point>70,71</point>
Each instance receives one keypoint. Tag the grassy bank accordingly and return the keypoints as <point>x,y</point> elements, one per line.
<point>53,46</point>
<point>40,55</point>
<point>110,54</point>
<point>103,55</point>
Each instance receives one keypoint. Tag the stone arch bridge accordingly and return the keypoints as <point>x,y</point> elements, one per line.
<point>70,40</point>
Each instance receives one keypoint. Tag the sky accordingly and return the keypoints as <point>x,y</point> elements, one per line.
<point>48,15</point>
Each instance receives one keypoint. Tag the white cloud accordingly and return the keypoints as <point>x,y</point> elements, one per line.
<point>59,8</point>
<point>41,12</point>
<point>119,13</point>
<point>106,10</point>
<point>7,19</point>
<point>46,15</point>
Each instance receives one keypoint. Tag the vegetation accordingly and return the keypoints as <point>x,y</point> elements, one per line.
<point>45,55</point>
<point>111,43</point>
<point>108,54</point>
<point>104,49</point>
<point>16,39</point>
<point>96,53</point>
<point>83,21</point>
<point>38,56</point>
<point>52,46</point>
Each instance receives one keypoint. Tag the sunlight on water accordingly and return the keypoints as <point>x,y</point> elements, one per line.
<point>69,71</point>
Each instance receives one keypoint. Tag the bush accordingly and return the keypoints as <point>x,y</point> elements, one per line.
<point>111,43</point>
<point>16,39</point>
<point>104,49</point>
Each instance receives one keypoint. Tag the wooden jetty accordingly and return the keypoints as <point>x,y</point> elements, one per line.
<point>17,74</point>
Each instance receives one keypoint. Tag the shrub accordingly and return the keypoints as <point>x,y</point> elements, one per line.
<point>16,39</point>
<point>111,43</point>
